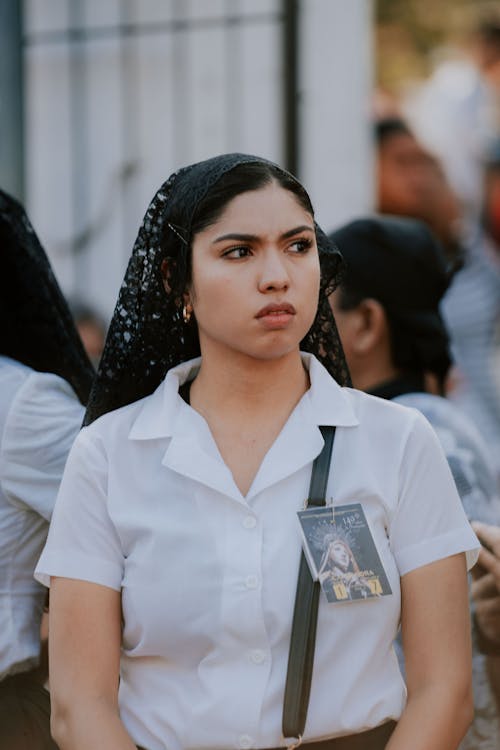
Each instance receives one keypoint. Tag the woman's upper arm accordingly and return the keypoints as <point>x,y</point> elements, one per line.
<point>84,643</point>
<point>435,624</point>
<point>84,542</point>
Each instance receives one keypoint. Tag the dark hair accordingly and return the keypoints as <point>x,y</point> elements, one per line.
<point>406,354</point>
<point>241,179</point>
<point>387,127</point>
<point>403,353</point>
<point>488,30</point>
<point>37,329</point>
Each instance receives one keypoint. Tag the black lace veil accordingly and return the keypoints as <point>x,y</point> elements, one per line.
<point>147,335</point>
<point>36,325</point>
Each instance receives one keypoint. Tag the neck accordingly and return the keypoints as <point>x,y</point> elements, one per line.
<point>399,386</point>
<point>368,378</point>
<point>249,386</point>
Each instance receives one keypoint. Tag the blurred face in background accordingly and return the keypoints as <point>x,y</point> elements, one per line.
<point>93,337</point>
<point>403,172</point>
<point>410,182</point>
<point>491,211</point>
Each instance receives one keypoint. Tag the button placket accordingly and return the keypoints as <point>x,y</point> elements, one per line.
<point>258,656</point>
<point>249,522</point>
<point>243,610</point>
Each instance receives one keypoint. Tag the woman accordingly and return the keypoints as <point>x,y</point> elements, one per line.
<point>387,309</point>
<point>45,378</point>
<point>178,511</point>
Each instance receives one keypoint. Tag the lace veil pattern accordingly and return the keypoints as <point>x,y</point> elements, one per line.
<point>147,335</point>
<point>37,327</point>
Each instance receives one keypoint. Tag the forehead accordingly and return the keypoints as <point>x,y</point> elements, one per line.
<point>268,209</point>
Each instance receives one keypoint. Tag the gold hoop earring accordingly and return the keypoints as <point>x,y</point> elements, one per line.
<point>187,311</point>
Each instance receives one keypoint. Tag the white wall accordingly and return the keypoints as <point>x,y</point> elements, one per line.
<point>110,117</point>
<point>336,82</point>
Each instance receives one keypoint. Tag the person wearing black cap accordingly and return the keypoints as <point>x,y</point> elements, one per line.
<point>396,345</point>
<point>396,276</point>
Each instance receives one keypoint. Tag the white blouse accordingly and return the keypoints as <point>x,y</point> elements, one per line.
<point>40,416</point>
<point>208,577</point>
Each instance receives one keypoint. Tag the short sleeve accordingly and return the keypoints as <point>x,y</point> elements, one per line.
<point>83,542</point>
<point>40,426</point>
<point>429,523</point>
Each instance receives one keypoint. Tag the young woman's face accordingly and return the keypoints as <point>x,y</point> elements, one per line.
<point>255,275</point>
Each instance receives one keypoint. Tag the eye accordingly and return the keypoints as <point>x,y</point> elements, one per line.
<point>301,246</point>
<point>237,252</point>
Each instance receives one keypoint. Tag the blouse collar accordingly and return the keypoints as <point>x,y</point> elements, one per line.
<point>326,402</point>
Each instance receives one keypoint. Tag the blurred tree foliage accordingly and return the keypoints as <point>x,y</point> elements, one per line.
<point>411,35</point>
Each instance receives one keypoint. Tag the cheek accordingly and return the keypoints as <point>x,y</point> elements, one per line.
<point>212,296</point>
<point>310,276</point>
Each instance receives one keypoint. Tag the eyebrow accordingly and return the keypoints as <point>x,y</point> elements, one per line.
<point>255,238</point>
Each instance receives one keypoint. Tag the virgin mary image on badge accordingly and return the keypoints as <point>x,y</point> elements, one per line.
<point>342,553</point>
<point>340,575</point>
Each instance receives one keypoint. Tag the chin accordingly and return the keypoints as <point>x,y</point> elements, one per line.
<point>268,347</point>
<point>275,350</point>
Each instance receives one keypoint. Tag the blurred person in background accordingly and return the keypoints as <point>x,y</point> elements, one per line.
<point>485,594</point>
<point>471,309</point>
<point>45,379</point>
<point>410,183</point>
<point>456,113</point>
<point>387,310</point>
<point>91,329</point>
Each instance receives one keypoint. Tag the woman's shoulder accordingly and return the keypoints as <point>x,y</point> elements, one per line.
<point>351,407</point>
<point>34,400</point>
<point>368,408</point>
<point>118,421</point>
<point>388,426</point>
<point>149,417</point>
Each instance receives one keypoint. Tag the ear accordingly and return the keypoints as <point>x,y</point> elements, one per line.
<point>370,327</point>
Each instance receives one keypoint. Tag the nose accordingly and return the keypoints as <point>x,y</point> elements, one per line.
<point>273,272</point>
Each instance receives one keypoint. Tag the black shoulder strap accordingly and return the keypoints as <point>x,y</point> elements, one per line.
<point>305,615</point>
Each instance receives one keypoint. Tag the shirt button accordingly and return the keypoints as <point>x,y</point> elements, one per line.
<point>249,522</point>
<point>251,582</point>
<point>246,742</point>
<point>258,656</point>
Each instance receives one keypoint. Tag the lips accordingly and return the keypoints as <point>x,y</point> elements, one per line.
<point>277,308</point>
